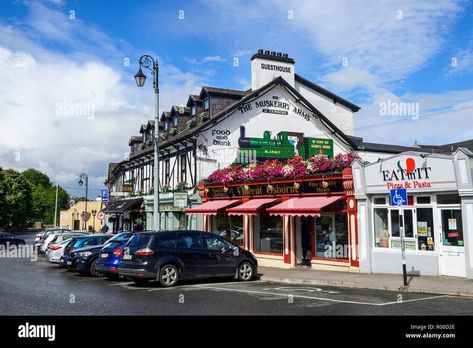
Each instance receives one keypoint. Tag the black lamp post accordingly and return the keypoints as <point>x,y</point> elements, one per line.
<point>84,179</point>
<point>94,212</point>
<point>148,62</point>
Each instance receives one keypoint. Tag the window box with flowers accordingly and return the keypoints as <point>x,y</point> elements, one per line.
<point>172,132</point>
<point>203,117</point>
<point>272,169</point>
<point>191,123</point>
<point>181,186</point>
<point>166,189</point>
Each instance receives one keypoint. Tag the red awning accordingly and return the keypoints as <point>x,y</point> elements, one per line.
<point>304,206</point>
<point>252,206</point>
<point>213,207</point>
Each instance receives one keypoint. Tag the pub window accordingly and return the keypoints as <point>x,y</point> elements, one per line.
<point>207,103</point>
<point>270,234</point>
<point>331,236</point>
<point>448,199</point>
<point>230,227</point>
<point>423,200</point>
<point>183,168</point>
<point>380,200</point>
<point>381,233</point>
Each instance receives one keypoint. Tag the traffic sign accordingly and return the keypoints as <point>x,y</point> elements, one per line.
<point>104,196</point>
<point>85,216</point>
<point>398,197</point>
<point>100,215</point>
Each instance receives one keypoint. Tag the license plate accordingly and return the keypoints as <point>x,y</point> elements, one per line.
<point>126,257</point>
<point>103,256</point>
<point>69,262</point>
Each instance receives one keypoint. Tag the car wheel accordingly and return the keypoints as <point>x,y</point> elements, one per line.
<point>168,275</point>
<point>140,281</point>
<point>93,271</point>
<point>245,271</point>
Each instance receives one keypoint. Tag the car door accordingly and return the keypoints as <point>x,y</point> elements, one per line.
<point>220,255</point>
<point>190,250</point>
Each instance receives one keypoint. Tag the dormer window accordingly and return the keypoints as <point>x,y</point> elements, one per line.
<point>175,121</point>
<point>207,103</point>
<point>194,109</point>
<point>165,126</point>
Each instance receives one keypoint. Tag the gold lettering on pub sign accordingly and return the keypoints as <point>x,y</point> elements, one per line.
<point>281,190</point>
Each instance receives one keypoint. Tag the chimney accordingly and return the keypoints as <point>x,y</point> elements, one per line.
<point>267,65</point>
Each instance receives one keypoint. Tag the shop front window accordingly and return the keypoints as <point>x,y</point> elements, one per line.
<point>381,227</point>
<point>331,237</point>
<point>230,227</point>
<point>270,234</point>
<point>425,229</point>
<point>452,227</point>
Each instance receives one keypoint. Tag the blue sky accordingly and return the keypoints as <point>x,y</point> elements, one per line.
<point>398,50</point>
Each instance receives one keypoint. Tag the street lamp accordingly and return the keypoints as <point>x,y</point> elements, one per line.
<point>84,179</point>
<point>94,212</point>
<point>151,64</point>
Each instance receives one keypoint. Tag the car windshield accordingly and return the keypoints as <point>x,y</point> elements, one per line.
<point>65,242</point>
<point>138,240</point>
<point>121,237</point>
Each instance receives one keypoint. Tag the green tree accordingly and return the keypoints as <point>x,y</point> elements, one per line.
<point>3,193</point>
<point>43,194</point>
<point>17,200</point>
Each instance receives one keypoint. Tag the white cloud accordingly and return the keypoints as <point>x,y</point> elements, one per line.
<point>69,113</point>
<point>213,59</point>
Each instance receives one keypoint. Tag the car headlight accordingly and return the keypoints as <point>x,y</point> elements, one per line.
<point>84,254</point>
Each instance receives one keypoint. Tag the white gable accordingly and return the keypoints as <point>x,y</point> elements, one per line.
<point>263,120</point>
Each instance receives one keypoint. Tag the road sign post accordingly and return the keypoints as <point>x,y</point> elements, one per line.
<point>398,197</point>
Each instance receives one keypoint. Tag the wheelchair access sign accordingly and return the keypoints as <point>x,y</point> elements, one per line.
<point>398,197</point>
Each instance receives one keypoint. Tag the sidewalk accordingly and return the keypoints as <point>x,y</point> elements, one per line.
<point>419,284</point>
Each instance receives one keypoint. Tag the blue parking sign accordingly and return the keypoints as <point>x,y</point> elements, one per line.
<point>104,196</point>
<point>398,197</point>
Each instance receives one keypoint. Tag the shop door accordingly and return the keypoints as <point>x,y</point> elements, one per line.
<point>325,236</point>
<point>452,253</point>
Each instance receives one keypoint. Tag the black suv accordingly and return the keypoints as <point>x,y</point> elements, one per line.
<point>168,256</point>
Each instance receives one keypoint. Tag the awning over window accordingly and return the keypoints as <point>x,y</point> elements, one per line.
<point>213,207</point>
<point>252,206</point>
<point>304,206</point>
<point>124,205</point>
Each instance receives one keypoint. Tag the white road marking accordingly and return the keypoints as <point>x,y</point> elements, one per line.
<point>318,298</point>
<point>120,284</point>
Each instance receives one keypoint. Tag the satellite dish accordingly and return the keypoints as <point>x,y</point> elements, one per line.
<point>72,203</point>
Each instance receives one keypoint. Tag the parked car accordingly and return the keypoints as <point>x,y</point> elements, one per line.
<point>85,259</point>
<point>81,242</point>
<point>59,237</point>
<point>48,233</point>
<point>169,256</point>
<point>10,239</point>
<point>54,252</point>
<point>110,254</point>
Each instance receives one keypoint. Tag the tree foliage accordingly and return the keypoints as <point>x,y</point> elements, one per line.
<point>28,197</point>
